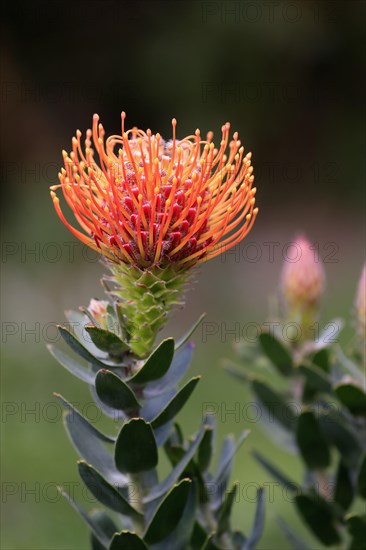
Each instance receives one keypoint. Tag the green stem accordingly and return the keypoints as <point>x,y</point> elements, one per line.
<point>137,500</point>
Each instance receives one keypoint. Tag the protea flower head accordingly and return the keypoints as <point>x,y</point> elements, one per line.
<point>150,202</point>
<point>155,208</point>
<point>361,304</point>
<point>303,279</point>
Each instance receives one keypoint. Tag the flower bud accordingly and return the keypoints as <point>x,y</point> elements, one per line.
<point>98,310</point>
<point>361,304</point>
<point>303,279</point>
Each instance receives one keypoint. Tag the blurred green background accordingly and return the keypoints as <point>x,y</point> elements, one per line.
<point>288,75</point>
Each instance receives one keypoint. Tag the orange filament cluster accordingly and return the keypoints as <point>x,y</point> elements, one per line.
<point>150,202</point>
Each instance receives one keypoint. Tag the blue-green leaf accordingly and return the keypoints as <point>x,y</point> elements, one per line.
<point>106,493</point>
<point>313,446</point>
<point>114,392</point>
<point>157,364</point>
<point>352,397</point>
<point>177,471</point>
<point>136,449</point>
<point>169,513</point>
<point>106,341</point>
<point>76,346</point>
<point>176,404</point>
<point>93,525</point>
<point>275,472</point>
<point>71,365</point>
<point>187,336</point>
<point>181,361</point>
<point>258,525</point>
<point>127,541</point>
<point>277,353</point>
<point>320,516</point>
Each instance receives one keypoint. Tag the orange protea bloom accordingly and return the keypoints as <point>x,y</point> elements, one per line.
<point>152,203</point>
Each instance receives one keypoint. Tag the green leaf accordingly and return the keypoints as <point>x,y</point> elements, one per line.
<point>163,487</point>
<point>88,441</point>
<point>275,403</point>
<point>292,537</point>
<point>229,449</point>
<point>341,435</point>
<point>114,392</point>
<point>316,378</point>
<point>357,529</point>
<point>206,449</point>
<point>221,478</point>
<point>361,482</point>
<point>71,365</point>
<point>180,537</point>
<point>313,446</point>
<point>157,364</point>
<point>106,524</point>
<point>127,541</point>
<point>344,489</point>
<point>169,513</point>
<point>107,341</point>
<point>79,348</point>
<point>199,536</point>
<point>277,353</point>
<point>224,513</point>
<point>187,336</point>
<point>320,517</point>
<point>180,364</point>
<point>176,404</point>
<point>93,525</point>
<point>258,526</point>
<point>136,449</point>
<point>276,473</point>
<point>352,397</point>
<point>104,491</point>
<point>321,359</point>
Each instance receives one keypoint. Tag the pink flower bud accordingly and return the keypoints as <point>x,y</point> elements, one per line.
<point>98,310</point>
<point>361,304</point>
<point>303,279</point>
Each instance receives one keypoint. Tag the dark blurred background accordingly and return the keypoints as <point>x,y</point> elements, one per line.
<point>289,77</point>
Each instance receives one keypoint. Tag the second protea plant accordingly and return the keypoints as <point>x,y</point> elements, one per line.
<point>154,209</point>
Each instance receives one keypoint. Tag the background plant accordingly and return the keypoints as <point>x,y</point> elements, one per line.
<point>314,405</point>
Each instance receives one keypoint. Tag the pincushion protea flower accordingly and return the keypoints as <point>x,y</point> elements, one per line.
<point>155,209</point>
<point>152,202</point>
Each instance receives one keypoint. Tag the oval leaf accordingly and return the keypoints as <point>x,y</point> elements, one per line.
<point>277,353</point>
<point>136,449</point>
<point>127,541</point>
<point>169,513</point>
<point>107,341</point>
<point>71,365</point>
<point>344,489</point>
<point>79,348</point>
<point>176,404</point>
<point>106,493</point>
<point>157,364</point>
<point>319,516</point>
<point>277,407</point>
<point>114,392</point>
<point>352,397</point>
<point>313,446</point>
